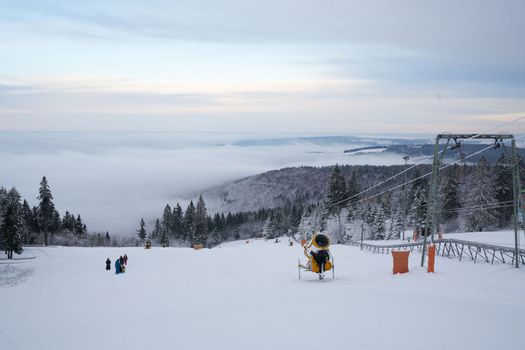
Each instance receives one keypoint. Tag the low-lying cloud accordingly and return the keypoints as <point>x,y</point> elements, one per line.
<point>113,180</point>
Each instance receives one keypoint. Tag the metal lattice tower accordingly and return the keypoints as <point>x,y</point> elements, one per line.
<point>432,209</point>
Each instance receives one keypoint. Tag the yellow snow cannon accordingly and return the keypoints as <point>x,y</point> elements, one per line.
<point>319,257</point>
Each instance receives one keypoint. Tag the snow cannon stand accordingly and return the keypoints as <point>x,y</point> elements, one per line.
<point>318,262</point>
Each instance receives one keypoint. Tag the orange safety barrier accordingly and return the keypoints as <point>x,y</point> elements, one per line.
<point>431,257</point>
<point>198,246</point>
<point>400,261</point>
<point>303,242</point>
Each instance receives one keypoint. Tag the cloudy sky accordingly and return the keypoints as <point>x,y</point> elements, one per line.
<point>346,66</point>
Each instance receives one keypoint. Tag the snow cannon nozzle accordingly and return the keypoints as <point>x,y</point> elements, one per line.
<point>322,240</point>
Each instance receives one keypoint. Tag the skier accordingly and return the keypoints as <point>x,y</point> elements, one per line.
<point>125,259</point>
<point>108,264</point>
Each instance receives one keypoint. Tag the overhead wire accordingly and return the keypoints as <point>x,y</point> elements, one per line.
<point>427,174</point>
<point>419,163</point>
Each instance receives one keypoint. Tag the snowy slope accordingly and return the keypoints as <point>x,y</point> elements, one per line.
<point>247,296</point>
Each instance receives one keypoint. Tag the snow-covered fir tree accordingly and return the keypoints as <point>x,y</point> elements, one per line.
<point>142,230</point>
<point>313,220</point>
<point>503,183</point>
<point>178,222</point>
<point>448,195</point>
<point>396,225</point>
<point>273,226</point>
<point>200,223</point>
<point>480,195</point>
<point>419,196</point>
<point>167,222</point>
<point>336,192</point>
<point>156,233</point>
<point>46,207</point>
<point>189,217</point>
<point>379,227</point>
<point>12,229</point>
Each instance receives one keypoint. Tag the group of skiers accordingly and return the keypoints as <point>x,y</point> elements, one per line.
<point>120,264</point>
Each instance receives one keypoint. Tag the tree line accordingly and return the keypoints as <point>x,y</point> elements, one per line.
<point>21,224</point>
<point>471,197</point>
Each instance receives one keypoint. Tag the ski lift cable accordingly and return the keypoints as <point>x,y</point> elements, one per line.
<point>481,206</point>
<point>423,176</point>
<point>419,163</point>
<point>493,205</point>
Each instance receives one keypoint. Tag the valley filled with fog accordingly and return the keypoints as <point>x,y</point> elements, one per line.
<point>114,179</point>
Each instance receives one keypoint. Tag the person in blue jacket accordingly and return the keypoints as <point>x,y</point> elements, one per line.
<point>117,266</point>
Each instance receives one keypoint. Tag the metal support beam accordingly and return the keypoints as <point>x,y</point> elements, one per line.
<point>516,196</point>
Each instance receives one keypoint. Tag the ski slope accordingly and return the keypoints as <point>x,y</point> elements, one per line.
<point>248,296</point>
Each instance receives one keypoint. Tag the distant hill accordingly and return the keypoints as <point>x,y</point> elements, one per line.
<point>276,188</point>
<point>427,149</point>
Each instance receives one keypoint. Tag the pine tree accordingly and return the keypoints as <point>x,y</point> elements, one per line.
<point>336,193</point>
<point>189,217</point>
<point>29,222</point>
<point>12,230</point>
<point>218,229</point>
<point>396,226</point>
<point>480,194</point>
<point>46,206</point>
<point>353,187</point>
<point>167,222</point>
<point>156,233</point>
<point>142,230</point>
<point>223,227</point>
<point>200,224</point>
<point>418,200</point>
<point>79,226</point>
<point>504,195</point>
<point>379,224</point>
<point>178,222</point>
<point>448,195</point>
<point>273,226</point>
<point>55,223</point>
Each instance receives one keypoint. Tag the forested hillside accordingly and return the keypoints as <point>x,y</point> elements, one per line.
<point>299,201</point>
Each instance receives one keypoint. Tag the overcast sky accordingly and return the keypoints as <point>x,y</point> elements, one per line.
<point>261,66</point>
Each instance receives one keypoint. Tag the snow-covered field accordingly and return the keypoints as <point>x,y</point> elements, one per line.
<point>248,296</point>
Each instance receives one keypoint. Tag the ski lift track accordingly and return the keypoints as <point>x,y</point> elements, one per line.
<point>453,248</point>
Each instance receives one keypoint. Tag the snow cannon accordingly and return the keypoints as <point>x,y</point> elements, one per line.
<point>319,257</point>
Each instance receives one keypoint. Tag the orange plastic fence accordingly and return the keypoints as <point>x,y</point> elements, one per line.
<point>303,242</point>
<point>431,257</point>
<point>198,246</point>
<point>400,261</point>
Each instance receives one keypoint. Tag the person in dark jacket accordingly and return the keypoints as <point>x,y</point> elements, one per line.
<point>125,259</point>
<point>121,259</point>
<point>108,264</point>
<point>117,266</point>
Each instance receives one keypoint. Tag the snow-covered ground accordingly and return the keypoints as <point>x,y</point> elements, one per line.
<point>248,296</point>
